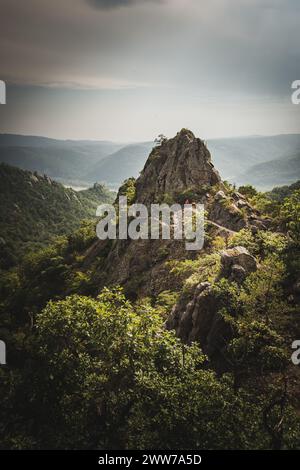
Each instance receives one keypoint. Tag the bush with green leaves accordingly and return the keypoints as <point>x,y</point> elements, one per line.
<point>103,374</point>
<point>262,243</point>
<point>290,215</point>
<point>128,189</point>
<point>191,272</point>
<point>247,190</point>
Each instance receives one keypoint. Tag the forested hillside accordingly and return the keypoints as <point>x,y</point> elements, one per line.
<point>34,209</point>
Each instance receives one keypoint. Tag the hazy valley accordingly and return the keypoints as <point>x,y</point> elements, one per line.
<point>81,163</point>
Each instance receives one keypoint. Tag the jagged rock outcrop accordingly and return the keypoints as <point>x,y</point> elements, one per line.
<point>184,163</point>
<point>177,169</point>
<point>199,320</point>
<point>176,165</point>
<point>233,212</point>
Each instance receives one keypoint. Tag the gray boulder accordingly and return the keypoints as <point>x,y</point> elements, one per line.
<point>237,263</point>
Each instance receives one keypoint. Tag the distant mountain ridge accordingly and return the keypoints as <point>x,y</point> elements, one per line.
<point>19,140</point>
<point>63,159</point>
<point>84,162</point>
<point>235,155</point>
<point>122,164</point>
<point>274,172</point>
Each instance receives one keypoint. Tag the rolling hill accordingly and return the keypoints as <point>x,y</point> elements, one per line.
<point>122,164</point>
<point>66,160</point>
<point>234,156</point>
<point>282,171</point>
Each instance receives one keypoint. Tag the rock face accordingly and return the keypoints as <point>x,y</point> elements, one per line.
<point>237,263</point>
<point>234,212</point>
<point>176,165</point>
<point>199,320</point>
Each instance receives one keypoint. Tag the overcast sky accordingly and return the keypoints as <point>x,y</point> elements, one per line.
<point>128,70</point>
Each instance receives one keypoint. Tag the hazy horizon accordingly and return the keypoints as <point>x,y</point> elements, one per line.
<point>123,142</point>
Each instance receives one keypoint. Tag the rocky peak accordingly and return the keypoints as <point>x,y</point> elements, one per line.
<point>175,165</point>
<point>177,169</point>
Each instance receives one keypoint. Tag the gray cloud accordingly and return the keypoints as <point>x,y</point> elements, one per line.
<point>110,4</point>
<point>223,47</point>
<point>147,65</point>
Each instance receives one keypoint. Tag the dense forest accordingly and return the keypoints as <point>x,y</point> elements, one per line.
<point>102,350</point>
